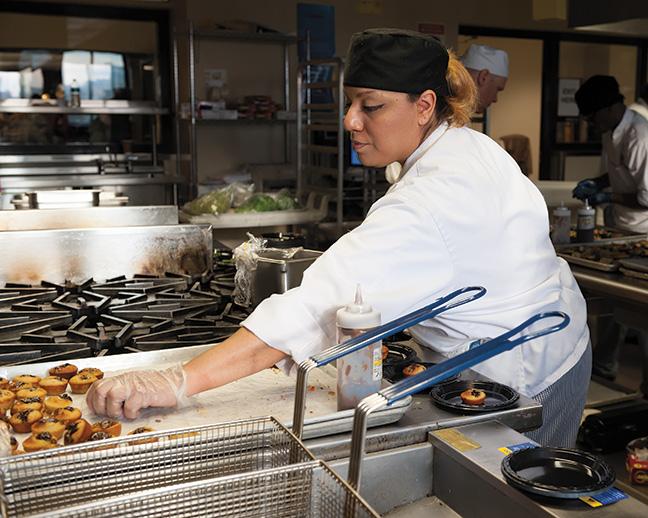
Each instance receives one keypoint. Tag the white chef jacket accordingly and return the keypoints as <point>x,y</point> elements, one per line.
<point>461,214</point>
<point>641,107</point>
<point>625,159</point>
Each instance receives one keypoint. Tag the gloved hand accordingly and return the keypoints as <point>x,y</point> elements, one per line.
<point>599,198</point>
<point>586,189</point>
<point>126,394</point>
<point>5,440</point>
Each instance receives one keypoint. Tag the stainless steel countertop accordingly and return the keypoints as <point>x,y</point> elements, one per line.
<point>612,284</point>
<point>423,417</point>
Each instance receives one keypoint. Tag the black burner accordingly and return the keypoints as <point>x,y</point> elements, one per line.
<point>56,321</point>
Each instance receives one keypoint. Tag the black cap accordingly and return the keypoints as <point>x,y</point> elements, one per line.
<point>596,93</point>
<point>397,60</point>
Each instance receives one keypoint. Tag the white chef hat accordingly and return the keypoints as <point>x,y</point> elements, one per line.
<point>480,57</point>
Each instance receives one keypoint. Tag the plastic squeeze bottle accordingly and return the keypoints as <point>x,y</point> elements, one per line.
<point>586,223</point>
<point>561,225</point>
<point>359,374</point>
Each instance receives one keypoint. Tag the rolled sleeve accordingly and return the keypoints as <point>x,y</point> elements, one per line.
<point>398,257</point>
<point>638,165</point>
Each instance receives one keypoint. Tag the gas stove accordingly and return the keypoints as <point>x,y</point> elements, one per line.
<point>52,321</point>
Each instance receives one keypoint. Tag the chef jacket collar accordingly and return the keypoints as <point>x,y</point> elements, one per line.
<point>423,148</point>
<point>619,131</point>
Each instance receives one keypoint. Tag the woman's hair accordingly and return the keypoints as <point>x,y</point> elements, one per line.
<point>457,108</point>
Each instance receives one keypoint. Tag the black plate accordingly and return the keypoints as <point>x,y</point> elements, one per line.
<point>557,472</point>
<point>395,374</point>
<point>498,397</point>
<point>399,356</point>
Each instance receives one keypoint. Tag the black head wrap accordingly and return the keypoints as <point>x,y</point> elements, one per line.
<point>397,60</point>
<point>596,93</point>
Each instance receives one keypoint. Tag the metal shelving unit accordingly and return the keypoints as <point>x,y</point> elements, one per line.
<point>282,40</point>
<point>320,166</point>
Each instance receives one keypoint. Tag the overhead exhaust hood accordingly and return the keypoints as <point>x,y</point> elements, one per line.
<point>629,17</point>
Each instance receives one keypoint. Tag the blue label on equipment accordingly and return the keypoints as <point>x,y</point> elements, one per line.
<point>607,497</point>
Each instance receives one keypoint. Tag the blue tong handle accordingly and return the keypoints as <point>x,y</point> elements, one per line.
<point>482,352</point>
<point>430,311</point>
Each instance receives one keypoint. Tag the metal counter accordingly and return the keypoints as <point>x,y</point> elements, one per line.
<point>612,284</point>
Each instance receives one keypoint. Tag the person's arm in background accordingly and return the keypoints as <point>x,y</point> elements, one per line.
<point>636,158</point>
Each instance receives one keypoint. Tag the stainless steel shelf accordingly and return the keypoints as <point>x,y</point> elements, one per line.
<point>87,108</point>
<point>244,121</point>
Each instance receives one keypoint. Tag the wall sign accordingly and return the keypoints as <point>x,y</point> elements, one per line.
<point>566,104</point>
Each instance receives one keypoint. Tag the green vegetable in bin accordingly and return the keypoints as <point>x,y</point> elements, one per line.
<point>286,202</point>
<point>259,203</point>
<point>215,202</point>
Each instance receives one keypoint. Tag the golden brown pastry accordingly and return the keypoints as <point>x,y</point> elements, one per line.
<point>26,378</point>
<point>41,441</point>
<point>28,403</point>
<point>77,431</point>
<point>473,397</point>
<point>413,369</point>
<point>97,373</point>
<point>50,425</point>
<point>109,426</point>
<point>142,429</point>
<point>80,383</point>
<point>67,414</point>
<point>18,452</point>
<point>14,444</point>
<point>6,399</point>
<point>385,352</point>
<point>28,393</point>
<point>54,402</point>
<point>99,436</point>
<point>4,383</point>
<point>21,422</point>
<point>53,385</point>
<point>65,370</point>
<point>15,386</point>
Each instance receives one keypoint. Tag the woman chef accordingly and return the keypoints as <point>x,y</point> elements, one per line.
<point>460,214</point>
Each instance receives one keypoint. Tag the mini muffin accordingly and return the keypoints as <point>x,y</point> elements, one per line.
<point>183,435</point>
<point>65,370</point>
<point>27,378</point>
<point>50,425</point>
<point>40,441</point>
<point>54,402</point>
<point>53,385</point>
<point>385,352</point>
<point>80,383</point>
<point>27,403</point>
<point>31,393</point>
<point>109,426</point>
<point>67,414</point>
<point>99,436</point>
<point>15,386</point>
<point>413,369</point>
<point>473,397</point>
<point>14,444</point>
<point>77,431</point>
<point>6,399</point>
<point>22,421</point>
<point>97,373</point>
<point>4,383</point>
<point>142,429</point>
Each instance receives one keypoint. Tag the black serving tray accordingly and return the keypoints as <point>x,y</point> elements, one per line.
<point>561,473</point>
<point>498,396</point>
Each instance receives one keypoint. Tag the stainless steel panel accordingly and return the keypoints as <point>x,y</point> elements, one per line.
<point>88,217</point>
<point>76,255</point>
<point>114,107</point>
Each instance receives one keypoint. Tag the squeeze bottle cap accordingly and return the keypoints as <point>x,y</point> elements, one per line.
<point>358,314</point>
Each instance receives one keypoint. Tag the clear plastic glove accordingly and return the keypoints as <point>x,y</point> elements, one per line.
<point>5,440</point>
<point>586,189</point>
<point>126,394</point>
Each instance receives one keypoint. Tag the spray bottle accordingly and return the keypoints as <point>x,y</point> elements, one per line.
<point>358,374</point>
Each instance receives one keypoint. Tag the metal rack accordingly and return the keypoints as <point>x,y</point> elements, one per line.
<point>282,40</point>
<point>319,165</point>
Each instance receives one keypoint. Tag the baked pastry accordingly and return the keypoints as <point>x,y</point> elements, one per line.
<point>4,383</point>
<point>27,378</point>
<point>31,392</point>
<point>77,431</point>
<point>65,370</point>
<point>6,399</point>
<point>53,385</point>
<point>21,422</point>
<point>142,429</point>
<point>50,425</point>
<point>40,441</point>
<point>183,435</point>
<point>413,369</point>
<point>97,373</point>
<point>473,396</point>
<point>385,352</point>
<point>80,383</point>
<point>14,443</point>
<point>67,414</point>
<point>17,452</point>
<point>99,436</point>
<point>28,403</point>
<point>54,402</point>
<point>15,386</point>
<point>109,426</point>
